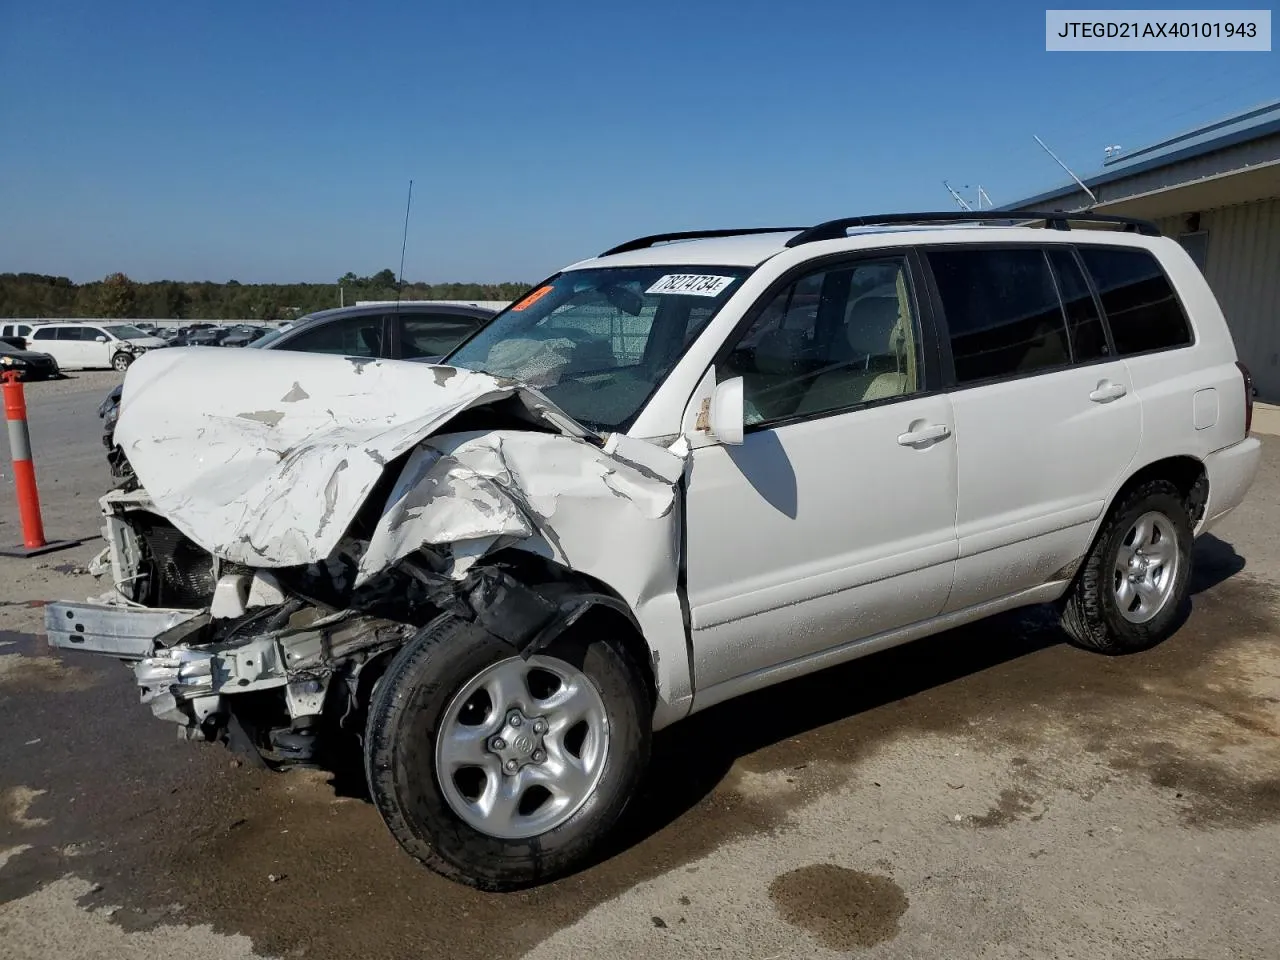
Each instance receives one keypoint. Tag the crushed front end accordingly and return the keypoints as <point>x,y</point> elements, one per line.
<point>268,555</point>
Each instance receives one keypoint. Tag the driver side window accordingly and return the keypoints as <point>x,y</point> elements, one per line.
<point>833,339</point>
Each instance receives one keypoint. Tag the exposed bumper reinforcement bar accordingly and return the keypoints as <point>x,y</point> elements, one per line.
<point>130,633</point>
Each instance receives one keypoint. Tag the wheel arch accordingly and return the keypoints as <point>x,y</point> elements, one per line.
<point>1185,472</point>
<point>584,602</point>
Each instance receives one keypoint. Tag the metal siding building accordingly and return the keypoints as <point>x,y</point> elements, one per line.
<point>1217,190</point>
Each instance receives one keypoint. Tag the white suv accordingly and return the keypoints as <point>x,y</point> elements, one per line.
<point>686,469</point>
<point>80,345</point>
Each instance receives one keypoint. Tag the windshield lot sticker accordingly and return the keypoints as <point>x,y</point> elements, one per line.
<point>691,285</point>
<point>533,298</point>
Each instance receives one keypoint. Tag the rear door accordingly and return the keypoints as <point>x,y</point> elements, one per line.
<point>1046,417</point>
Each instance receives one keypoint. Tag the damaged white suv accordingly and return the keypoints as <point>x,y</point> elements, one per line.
<point>691,467</point>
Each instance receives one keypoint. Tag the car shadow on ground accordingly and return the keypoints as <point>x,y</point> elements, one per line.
<point>691,759</point>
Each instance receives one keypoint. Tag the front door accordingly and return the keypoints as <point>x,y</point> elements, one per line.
<point>98,346</point>
<point>834,520</point>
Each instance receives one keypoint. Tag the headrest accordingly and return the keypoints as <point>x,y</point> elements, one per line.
<point>871,325</point>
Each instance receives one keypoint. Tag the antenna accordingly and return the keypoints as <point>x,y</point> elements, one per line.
<point>1069,173</point>
<point>957,198</point>
<point>404,242</point>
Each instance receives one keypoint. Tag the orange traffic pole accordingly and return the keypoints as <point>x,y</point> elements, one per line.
<point>24,473</point>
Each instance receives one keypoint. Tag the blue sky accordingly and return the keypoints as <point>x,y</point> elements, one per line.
<point>275,141</point>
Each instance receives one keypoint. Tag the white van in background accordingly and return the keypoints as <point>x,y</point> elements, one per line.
<point>84,346</point>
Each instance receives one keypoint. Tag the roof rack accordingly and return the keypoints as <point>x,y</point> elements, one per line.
<point>1057,219</point>
<point>643,243</point>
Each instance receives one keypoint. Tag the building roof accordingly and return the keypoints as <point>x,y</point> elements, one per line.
<point>1259,121</point>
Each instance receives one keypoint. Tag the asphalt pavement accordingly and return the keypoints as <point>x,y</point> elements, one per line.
<point>990,792</point>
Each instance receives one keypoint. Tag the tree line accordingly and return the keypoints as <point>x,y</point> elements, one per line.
<point>39,295</point>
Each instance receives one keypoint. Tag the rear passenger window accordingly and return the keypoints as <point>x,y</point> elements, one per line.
<point>1088,339</point>
<point>1141,307</point>
<point>1002,312</point>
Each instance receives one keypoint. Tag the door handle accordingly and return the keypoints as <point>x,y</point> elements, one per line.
<point>924,434</point>
<point>1108,391</point>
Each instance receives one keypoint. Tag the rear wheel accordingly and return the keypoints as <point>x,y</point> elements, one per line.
<point>1132,591</point>
<point>121,361</point>
<point>500,771</point>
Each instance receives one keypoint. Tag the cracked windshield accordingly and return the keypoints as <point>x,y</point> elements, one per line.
<point>598,342</point>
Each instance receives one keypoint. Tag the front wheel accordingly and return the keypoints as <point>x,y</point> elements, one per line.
<point>501,771</point>
<point>1132,591</point>
<point>120,362</point>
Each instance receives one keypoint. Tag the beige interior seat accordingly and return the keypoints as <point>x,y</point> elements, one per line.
<point>877,326</point>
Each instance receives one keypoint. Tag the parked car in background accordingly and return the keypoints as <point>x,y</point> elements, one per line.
<point>210,336</point>
<point>243,334</point>
<point>421,330</point>
<point>86,346</point>
<point>29,364</point>
<point>14,330</point>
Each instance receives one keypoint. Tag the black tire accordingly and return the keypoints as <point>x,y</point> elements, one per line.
<point>1091,614</point>
<point>121,361</point>
<point>400,744</point>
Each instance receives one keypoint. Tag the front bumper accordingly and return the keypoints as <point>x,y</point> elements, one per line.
<point>28,372</point>
<point>185,675</point>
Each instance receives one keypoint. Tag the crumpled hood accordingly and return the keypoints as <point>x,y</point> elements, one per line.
<point>265,457</point>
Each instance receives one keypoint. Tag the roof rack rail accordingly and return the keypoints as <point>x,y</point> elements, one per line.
<point>1057,219</point>
<point>643,243</point>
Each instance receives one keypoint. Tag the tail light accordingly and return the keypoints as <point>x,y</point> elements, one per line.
<point>1248,396</point>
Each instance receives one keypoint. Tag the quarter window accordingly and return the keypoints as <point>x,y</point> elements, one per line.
<point>831,340</point>
<point>45,333</point>
<point>1141,307</point>
<point>1002,312</point>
